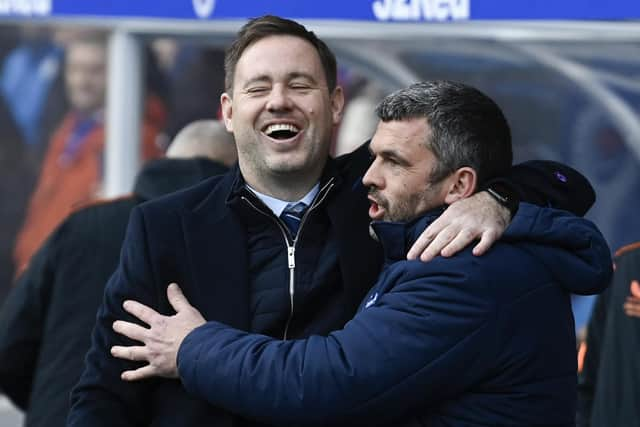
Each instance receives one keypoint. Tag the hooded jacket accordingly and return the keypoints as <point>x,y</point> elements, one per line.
<point>457,341</point>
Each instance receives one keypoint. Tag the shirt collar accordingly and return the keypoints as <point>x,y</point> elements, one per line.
<point>277,205</point>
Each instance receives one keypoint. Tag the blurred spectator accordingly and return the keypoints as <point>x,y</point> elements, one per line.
<point>359,120</point>
<point>41,347</point>
<point>609,381</point>
<point>31,82</point>
<point>195,80</point>
<point>600,150</point>
<point>196,139</point>
<point>32,102</point>
<point>72,168</point>
<point>8,40</point>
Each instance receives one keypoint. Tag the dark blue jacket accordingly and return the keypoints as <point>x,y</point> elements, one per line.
<point>457,341</point>
<point>199,238</point>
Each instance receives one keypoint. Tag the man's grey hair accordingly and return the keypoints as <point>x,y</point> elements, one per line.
<point>204,138</point>
<point>467,128</point>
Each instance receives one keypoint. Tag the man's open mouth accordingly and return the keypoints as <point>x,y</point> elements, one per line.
<point>281,131</point>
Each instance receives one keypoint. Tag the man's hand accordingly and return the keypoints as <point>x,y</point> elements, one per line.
<point>632,305</point>
<point>161,340</point>
<point>476,217</point>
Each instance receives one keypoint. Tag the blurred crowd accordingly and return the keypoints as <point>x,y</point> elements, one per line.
<point>52,95</point>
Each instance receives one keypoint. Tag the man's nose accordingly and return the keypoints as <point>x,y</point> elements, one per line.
<point>279,99</point>
<point>372,176</point>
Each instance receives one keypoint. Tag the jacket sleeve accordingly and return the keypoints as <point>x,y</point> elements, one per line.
<point>391,357</point>
<point>21,326</point>
<point>578,236</point>
<point>551,184</point>
<point>101,398</point>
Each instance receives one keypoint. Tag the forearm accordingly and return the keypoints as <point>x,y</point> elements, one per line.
<point>343,378</point>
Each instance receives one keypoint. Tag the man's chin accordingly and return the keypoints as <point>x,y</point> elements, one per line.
<point>291,163</point>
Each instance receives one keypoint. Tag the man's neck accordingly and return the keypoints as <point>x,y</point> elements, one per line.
<point>289,187</point>
<point>278,206</point>
<point>96,115</point>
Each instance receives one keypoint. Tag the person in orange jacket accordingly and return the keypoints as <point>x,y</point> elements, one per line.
<point>72,169</point>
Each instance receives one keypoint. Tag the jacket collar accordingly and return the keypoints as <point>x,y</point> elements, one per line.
<point>397,237</point>
<point>164,176</point>
<point>239,188</point>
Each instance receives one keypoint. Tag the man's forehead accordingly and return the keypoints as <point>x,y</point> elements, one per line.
<point>399,130</point>
<point>264,57</point>
<point>277,41</point>
<point>86,52</point>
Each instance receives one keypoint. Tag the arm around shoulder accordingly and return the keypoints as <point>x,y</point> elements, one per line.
<point>551,184</point>
<point>392,357</point>
<point>577,235</point>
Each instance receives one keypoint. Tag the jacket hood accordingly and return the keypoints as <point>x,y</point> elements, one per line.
<point>163,176</point>
<point>572,248</point>
<point>331,172</point>
<point>397,237</point>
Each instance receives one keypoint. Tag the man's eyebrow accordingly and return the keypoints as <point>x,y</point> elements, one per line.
<point>301,75</point>
<point>394,155</point>
<point>263,78</point>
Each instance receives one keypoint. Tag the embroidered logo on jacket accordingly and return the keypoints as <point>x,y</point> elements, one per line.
<point>372,300</point>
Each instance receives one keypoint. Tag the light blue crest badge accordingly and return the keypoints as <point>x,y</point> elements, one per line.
<point>203,8</point>
<point>372,300</point>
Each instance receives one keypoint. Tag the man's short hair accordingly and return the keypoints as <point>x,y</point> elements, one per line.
<point>269,25</point>
<point>204,138</point>
<point>467,127</point>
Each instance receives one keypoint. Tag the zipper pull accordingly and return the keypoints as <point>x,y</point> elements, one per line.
<point>291,254</point>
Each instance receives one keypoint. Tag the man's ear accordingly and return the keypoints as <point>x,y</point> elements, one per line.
<point>461,184</point>
<point>337,104</point>
<point>226,105</point>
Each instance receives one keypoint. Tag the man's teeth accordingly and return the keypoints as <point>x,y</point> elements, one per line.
<point>281,127</point>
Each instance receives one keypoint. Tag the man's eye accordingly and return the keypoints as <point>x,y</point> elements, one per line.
<point>257,90</point>
<point>392,161</point>
<point>300,87</point>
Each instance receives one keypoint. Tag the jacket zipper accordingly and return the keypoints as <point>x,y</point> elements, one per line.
<point>291,247</point>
